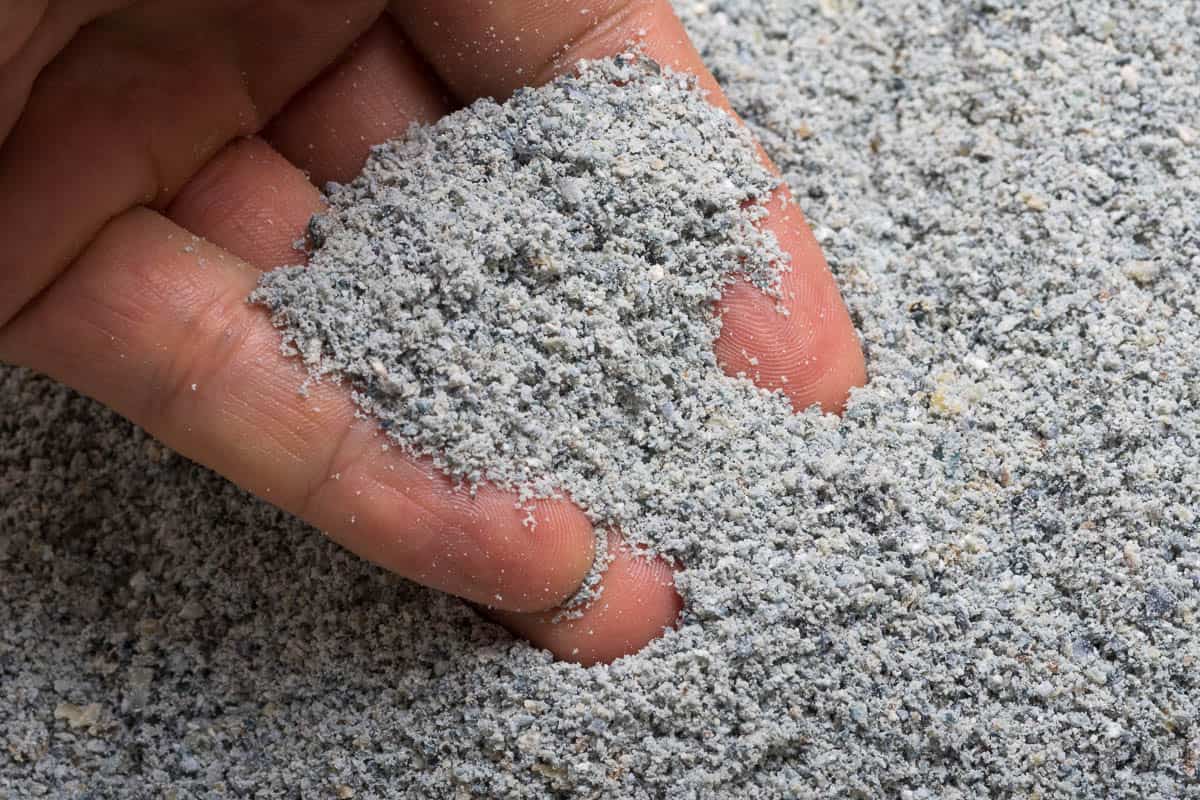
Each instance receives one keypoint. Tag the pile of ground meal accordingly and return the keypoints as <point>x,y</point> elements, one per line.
<point>983,580</point>
<point>525,292</point>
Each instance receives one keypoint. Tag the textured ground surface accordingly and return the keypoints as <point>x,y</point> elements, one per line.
<point>999,556</point>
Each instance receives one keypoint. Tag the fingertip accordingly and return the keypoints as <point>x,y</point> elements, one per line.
<point>544,557</point>
<point>250,201</point>
<point>847,369</point>
<point>637,604</point>
<point>801,342</point>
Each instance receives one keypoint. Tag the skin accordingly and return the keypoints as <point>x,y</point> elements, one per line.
<point>158,156</point>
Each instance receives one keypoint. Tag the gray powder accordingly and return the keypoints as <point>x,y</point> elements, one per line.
<point>992,582</point>
<point>525,291</point>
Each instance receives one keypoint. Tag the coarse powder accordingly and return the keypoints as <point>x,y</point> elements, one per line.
<point>992,584</point>
<point>525,292</point>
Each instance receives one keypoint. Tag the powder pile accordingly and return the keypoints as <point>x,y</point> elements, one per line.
<point>524,291</point>
<point>992,583</point>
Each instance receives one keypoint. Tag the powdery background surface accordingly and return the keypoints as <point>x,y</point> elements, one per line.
<point>1004,543</point>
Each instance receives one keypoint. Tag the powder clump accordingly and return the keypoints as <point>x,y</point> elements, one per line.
<point>525,291</point>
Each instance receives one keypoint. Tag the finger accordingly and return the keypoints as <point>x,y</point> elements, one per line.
<point>373,94</point>
<point>811,353</point>
<point>251,202</point>
<point>155,324</point>
<point>637,602</point>
<point>154,91</point>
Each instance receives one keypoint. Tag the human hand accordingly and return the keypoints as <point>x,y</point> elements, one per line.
<point>157,157</point>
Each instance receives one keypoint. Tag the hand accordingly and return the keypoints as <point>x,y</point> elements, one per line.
<point>157,156</point>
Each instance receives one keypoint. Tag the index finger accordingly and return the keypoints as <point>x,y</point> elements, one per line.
<point>480,48</point>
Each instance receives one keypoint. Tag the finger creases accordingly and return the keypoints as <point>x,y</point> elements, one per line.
<point>153,321</point>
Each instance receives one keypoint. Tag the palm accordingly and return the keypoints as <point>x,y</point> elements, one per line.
<point>130,145</point>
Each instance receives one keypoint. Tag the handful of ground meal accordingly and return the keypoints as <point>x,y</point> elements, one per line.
<point>525,292</point>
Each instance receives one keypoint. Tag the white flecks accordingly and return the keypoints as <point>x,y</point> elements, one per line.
<point>76,716</point>
<point>1141,271</point>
